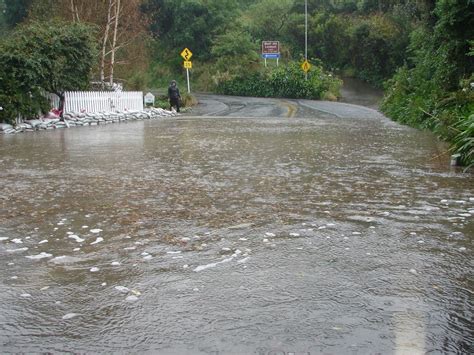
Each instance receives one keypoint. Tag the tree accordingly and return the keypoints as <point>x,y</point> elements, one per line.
<point>190,23</point>
<point>16,11</point>
<point>120,24</point>
<point>44,57</point>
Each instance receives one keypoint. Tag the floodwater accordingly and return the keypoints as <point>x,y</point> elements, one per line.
<point>305,233</point>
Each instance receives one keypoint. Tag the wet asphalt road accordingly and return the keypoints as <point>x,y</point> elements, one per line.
<point>249,225</point>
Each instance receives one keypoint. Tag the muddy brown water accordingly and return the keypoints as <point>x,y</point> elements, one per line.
<point>268,235</point>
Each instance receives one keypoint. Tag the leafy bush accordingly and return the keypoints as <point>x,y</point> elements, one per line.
<point>463,142</point>
<point>39,58</point>
<point>434,89</point>
<point>284,81</point>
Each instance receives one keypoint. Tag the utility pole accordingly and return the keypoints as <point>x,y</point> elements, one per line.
<point>306,34</point>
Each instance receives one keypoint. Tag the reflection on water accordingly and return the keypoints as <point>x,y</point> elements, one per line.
<point>234,235</point>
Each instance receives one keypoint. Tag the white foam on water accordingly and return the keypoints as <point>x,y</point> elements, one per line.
<point>14,277</point>
<point>40,256</point>
<point>465,215</point>
<point>173,252</point>
<point>96,230</point>
<point>294,234</point>
<point>322,227</point>
<point>17,250</point>
<point>59,223</point>
<point>11,264</point>
<point>356,233</point>
<point>185,239</point>
<point>76,238</point>
<point>76,249</point>
<point>144,254</point>
<point>413,271</point>
<point>265,240</point>
<point>244,260</point>
<point>98,240</point>
<point>212,265</point>
<point>3,239</point>
<point>25,295</point>
<point>462,249</point>
<point>115,263</point>
<point>69,233</point>
<point>122,289</point>
<point>148,257</point>
<point>421,242</point>
<point>130,248</point>
<point>269,234</point>
<point>94,269</point>
<point>330,224</point>
<point>70,316</point>
<point>243,239</point>
<point>185,266</point>
<point>131,298</point>
<point>85,227</point>
<point>103,284</point>
<point>17,241</point>
<point>43,241</point>
<point>226,249</point>
<point>44,288</point>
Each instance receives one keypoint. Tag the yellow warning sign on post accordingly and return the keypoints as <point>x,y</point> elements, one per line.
<point>306,66</point>
<point>188,64</point>
<point>186,54</point>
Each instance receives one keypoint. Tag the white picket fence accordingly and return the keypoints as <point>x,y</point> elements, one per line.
<point>100,101</point>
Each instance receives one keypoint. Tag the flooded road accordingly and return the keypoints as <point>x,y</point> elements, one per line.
<point>260,227</point>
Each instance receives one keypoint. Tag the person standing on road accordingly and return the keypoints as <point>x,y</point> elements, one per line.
<point>174,95</point>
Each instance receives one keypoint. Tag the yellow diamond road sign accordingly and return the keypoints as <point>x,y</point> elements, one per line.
<point>186,54</point>
<point>188,64</point>
<point>306,66</point>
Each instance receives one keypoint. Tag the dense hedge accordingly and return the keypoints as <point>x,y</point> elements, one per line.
<point>284,81</point>
<point>435,89</point>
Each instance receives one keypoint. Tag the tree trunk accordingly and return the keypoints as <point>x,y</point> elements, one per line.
<point>114,42</point>
<point>105,40</point>
<point>75,12</point>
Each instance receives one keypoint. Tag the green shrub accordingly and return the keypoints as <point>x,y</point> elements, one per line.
<point>463,142</point>
<point>284,81</point>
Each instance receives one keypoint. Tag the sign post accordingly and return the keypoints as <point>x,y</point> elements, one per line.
<point>270,50</point>
<point>187,54</point>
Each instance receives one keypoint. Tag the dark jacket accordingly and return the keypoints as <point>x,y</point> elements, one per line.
<point>173,92</point>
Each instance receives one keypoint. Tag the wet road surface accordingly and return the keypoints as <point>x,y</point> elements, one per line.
<point>248,226</point>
